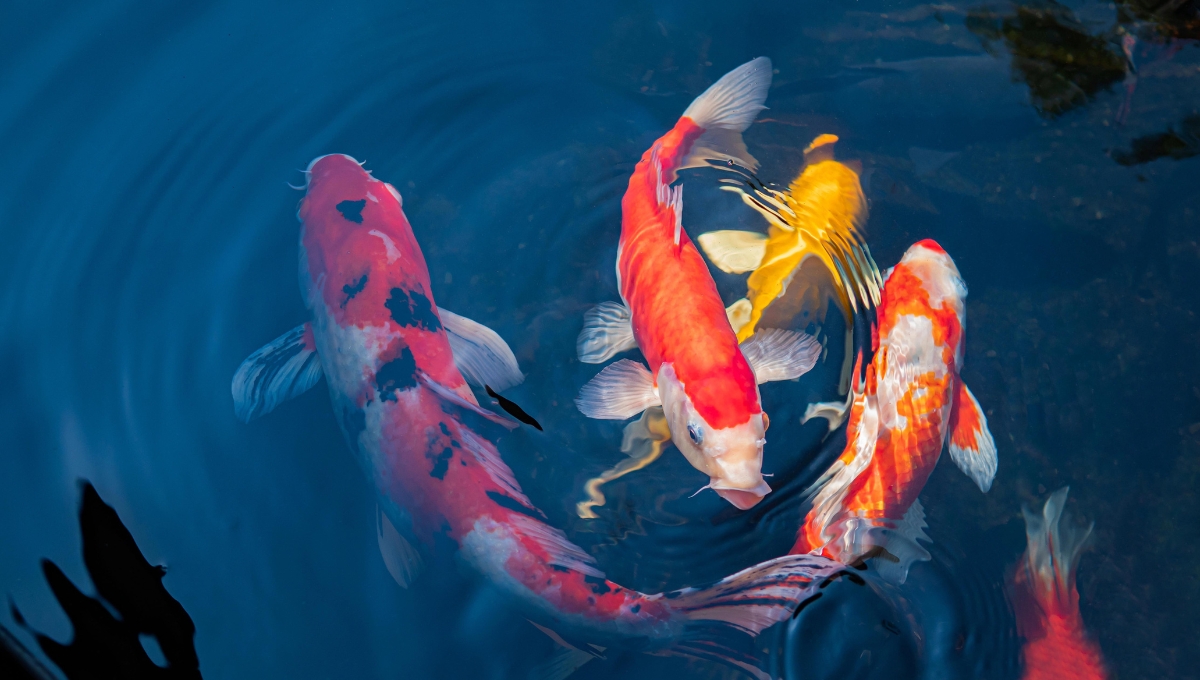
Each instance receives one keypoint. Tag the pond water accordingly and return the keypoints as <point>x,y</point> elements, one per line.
<point>151,245</point>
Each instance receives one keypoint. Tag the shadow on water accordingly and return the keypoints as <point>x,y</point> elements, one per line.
<point>1053,53</point>
<point>1178,143</point>
<point>950,619</point>
<point>131,616</point>
<point>150,245</point>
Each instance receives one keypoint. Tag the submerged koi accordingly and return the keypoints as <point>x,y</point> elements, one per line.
<point>820,217</point>
<point>1057,645</point>
<point>398,369</point>
<point>912,402</point>
<point>705,382</point>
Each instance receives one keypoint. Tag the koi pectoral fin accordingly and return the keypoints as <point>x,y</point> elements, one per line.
<point>734,252</point>
<point>776,354</point>
<point>284,368</point>
<point>480,354</point>
<point>971,445</point>
<point>607,331</point>
<point>622,390</point>
<point>402,560</point>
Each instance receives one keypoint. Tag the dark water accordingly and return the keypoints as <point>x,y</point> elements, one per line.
<point>150,245</point>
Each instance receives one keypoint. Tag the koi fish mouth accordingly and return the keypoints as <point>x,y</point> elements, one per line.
<point>740,497</point>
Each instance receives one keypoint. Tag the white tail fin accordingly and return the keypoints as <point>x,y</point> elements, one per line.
<point>758,597</point>
<point>734,101</point>
<point>1054,546</point>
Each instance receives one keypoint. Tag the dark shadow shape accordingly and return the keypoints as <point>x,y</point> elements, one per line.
<point>1173,144</point>
<point>510,407</point>
<point>1052,52</point>
<point>104,645</point>
<point>1178,19</point>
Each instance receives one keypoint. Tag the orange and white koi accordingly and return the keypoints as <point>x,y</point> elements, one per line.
<point>911,404</point>
<point>398,369</point>
<point>1057,644</point>
<point>705,382</point>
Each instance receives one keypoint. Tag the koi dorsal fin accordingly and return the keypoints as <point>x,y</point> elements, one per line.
<point>971,445</point>
<point>282,369</point>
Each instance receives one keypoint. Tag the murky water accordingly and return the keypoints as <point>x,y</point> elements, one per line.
<point>151,244</point>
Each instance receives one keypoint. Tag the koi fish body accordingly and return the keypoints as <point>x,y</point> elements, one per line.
<point>911,403</point>
<point>399,371</point>
<point>706,383</point>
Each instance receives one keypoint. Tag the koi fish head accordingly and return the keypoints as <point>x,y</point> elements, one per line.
<point>356,243</point>
<point>937,273</point>
<point>730,456</point>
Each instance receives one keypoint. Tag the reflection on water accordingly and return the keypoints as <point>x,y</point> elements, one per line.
<point>1052,52</point>
<point>150,245</point>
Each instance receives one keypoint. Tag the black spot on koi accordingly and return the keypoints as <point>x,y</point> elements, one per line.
<point>352,210</point>
<point>599,585</point>
<point>412,308</point>
<point>398,374</point>
<point>441,462</point>
<point>352,289</point>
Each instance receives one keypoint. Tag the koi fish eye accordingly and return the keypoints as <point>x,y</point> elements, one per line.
<point>695,433</point>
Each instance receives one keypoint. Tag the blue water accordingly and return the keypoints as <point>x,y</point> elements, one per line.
<point>150,244</point>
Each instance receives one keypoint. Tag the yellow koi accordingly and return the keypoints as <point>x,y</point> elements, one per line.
<point>821,216</point>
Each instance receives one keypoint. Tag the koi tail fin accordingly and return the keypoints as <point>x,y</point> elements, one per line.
<point>1048,567</point>
<point>733,102</point>
<point>757,597</point>
<point>1046,603</point>
<point>725,110</point>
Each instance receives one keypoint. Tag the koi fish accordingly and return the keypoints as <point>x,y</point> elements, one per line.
<point>399,371</point>
<point>1057,644</point>
<point>706,383</point>
<point>820,217</point>
<point>910,405</point>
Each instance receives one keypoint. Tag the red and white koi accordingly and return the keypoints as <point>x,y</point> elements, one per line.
<point>705,382</point>
<point>912,401</point>
<point>1057,644</point>
<point>398,369</point>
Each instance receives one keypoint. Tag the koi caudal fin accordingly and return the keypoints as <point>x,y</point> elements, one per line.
<point>1046,601</point>
<point>725,110</point>
<point>757,597</point>
<point>733,102</point>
